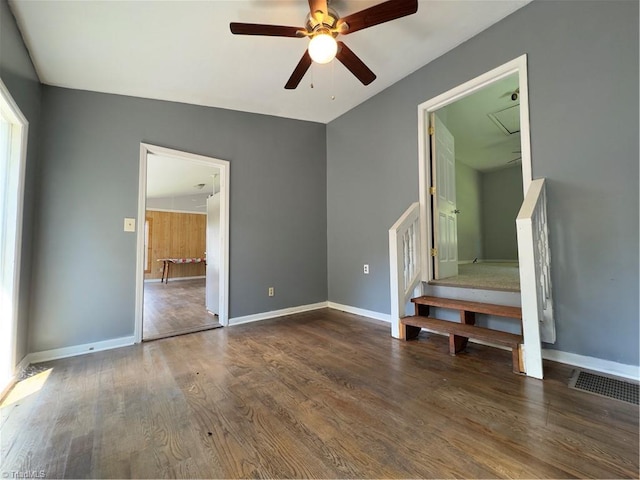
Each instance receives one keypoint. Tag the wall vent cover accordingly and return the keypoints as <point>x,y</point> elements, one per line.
<point>620,389</point>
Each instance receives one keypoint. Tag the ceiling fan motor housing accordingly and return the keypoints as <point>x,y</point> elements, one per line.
<point>324,24</point>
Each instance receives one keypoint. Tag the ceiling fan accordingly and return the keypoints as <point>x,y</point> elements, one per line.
<point>323,25</point>
<point>517,158</point>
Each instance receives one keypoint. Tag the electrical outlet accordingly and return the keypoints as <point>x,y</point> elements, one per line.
<point>271,291</point>
<point>366,269</point>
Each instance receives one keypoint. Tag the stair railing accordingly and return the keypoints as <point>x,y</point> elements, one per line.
<point>535,276</point>
<point>405,263</point>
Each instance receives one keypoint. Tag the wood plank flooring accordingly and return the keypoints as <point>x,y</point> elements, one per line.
<point>175,308</point>
<point>322,394</point>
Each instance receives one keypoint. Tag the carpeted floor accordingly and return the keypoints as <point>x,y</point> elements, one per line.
<point>486,275</point>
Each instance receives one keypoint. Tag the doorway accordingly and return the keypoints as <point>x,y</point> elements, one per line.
<point>531,316</point>
<point>499,151</point>
<point>182,271</point>
<point>476,164</point>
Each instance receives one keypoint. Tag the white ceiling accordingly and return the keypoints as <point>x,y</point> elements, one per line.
<point>183,51</point>
<point>169,177</point>
<point>479,142</point>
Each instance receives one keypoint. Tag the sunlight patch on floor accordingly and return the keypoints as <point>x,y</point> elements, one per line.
<point>26,387</point>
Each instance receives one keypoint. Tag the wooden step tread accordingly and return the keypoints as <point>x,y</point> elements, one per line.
<point>465,305</point>
<point>464,330</point>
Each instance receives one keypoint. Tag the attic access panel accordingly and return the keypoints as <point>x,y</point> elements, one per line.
<point>507,120</point>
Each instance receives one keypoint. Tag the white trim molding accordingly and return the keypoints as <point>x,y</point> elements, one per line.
<point>276,313</point>
<point>517,65</point>
<point>591,363</point>
<point>631,372</point>
<point>223,167</point>
<point>64,352</point>
<point>12,214</point>
<point>385,317</point>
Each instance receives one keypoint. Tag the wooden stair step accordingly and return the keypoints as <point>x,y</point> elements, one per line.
<point>463,329</point>
<point>459,334</point>
<point>465,305</point>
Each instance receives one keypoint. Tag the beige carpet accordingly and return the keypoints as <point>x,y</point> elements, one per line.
<point>486,275</point>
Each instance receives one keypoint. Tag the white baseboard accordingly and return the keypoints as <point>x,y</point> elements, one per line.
<point>46,355</point>
<point>276,313</point>
<point>592,363</point>
<point>582,361</point>
<point>24,363</point>
<point>385,317</point>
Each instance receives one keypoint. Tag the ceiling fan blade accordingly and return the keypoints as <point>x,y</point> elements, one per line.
<point>318,6</point>
<point>381,13</point>
<point>354,64</point>
<point>300,70</point>
<point>267,30</point>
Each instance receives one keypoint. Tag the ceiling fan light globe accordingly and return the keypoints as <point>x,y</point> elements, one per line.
<point>323,48</point>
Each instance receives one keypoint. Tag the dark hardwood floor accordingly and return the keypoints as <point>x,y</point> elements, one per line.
<point>175,308</point>
<point>322,394</point>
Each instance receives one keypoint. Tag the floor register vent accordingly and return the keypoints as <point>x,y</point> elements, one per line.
<point>620,389</point>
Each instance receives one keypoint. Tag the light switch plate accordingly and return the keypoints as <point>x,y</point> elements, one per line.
<point>129,224</point>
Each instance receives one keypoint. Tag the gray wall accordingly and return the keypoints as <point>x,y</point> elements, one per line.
<point>84,267</point>
<point>469,202</point>
<point>20,78</point>
<point>583,79</point>
<point>501,201</point>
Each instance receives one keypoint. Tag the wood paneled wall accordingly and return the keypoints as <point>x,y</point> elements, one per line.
<point>176,235</point>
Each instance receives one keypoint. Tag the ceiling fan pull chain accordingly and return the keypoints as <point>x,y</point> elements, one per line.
<point>313,69</point>
<point>333,79</point>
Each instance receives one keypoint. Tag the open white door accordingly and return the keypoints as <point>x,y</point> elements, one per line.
<point>445,224</point>
<point>212,290</point>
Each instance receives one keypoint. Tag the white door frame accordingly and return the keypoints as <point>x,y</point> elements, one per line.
<point>519,66</point>
<point>223,167</point>
<point>13,214</point>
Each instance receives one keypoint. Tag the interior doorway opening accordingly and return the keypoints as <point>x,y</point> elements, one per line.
<point>182,282</point>
<point>476,164</point>
<point>475,169</point>
<point>535,298</point>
